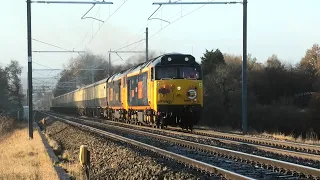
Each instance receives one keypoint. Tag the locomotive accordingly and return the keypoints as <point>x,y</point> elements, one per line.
<point>166,90</point>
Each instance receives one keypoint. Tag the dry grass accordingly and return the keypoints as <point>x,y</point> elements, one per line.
<point>22,158</point>
<point>226,129</point>
<point>310,137</point>
<point>74,170</point>
<point>7,125</point>
<point>280,136</point>
<point>54,144</point>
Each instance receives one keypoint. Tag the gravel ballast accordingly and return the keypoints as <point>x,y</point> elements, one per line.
<point>212,142</point>
<point>115,160</point>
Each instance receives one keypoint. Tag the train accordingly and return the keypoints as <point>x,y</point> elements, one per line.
<point>164,91</point>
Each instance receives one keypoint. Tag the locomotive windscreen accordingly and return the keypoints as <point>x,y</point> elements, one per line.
<point>178,72</point>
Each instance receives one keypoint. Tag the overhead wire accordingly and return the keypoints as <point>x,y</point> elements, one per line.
<point>134,37</point>
<point>50,44</point>
<point>65,48</point>
<point>142,40</point>
<point>41,65</point>
<point>177,20</point>
<point>170,22</point>
<point>49,68</point>
<point>140,32</point>
<point>130,44</point>
<point>106,21</point>
<point>88,29</point>
<point>155,13</point>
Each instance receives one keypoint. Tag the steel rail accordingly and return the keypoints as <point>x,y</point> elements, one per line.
<point>227,141</point>
<point>290,146</point>
<point>182,159</point>
<point>300,147</point>
<point>260,147</point>
<point>309,171</point>
<point>263,141</point>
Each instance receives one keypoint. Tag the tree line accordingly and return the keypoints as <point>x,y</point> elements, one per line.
<point>11,96</point>
<point>281,96</point>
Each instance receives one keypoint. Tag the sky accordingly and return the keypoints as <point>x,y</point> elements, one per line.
<point>283,27</point>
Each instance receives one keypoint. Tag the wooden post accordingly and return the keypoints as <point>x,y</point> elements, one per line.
<point>44,125</point>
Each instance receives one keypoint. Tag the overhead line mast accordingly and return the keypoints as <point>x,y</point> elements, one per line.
<point>244,56</point>
<point>30,104</point>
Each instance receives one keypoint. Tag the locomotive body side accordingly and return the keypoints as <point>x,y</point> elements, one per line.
<point>116,97</point>
<point>137,94</point>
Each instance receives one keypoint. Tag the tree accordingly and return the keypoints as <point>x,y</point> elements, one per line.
<point>210,60</point>
<point>13,71</point>
<point>4,92</point>
<point>220,86</point>
<point>274,62</point>
<point>279,94</point>
<point>310,63</point>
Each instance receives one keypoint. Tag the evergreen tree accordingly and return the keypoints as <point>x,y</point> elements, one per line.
<point>210,60</point>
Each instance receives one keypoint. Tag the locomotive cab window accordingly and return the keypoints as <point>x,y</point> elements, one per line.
<point>178,72</point>
<point>166,73</point>
<point>189,72</point>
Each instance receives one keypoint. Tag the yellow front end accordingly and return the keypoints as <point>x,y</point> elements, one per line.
<point>178,92</point>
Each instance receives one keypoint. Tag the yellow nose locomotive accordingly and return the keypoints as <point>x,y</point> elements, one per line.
<point>166,90</point>
<point>177,89</point>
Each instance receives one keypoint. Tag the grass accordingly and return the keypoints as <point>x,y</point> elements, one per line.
<point>54,144</point>
<point>310,137</point>
<point>74,170</point>
<point>20,157</point>
<point>6,125</point>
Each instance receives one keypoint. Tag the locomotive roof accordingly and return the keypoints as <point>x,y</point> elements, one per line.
<point>177,59</point>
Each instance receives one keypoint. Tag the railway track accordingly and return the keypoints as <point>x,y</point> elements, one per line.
<point>260,167</point>
<point>299,147</point>
<point>301,158</point>
<point>244,139</point>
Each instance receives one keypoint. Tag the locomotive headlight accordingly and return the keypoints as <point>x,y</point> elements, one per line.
<point>186,59</point>
<point>178,88</point>
<point>192,94</point>
<point>169,59</point>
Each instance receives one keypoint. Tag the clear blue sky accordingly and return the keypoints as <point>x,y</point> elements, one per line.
<point>284,27</point>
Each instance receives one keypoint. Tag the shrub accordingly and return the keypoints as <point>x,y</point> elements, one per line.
<point>276,118</point>
<point>7,124</point>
